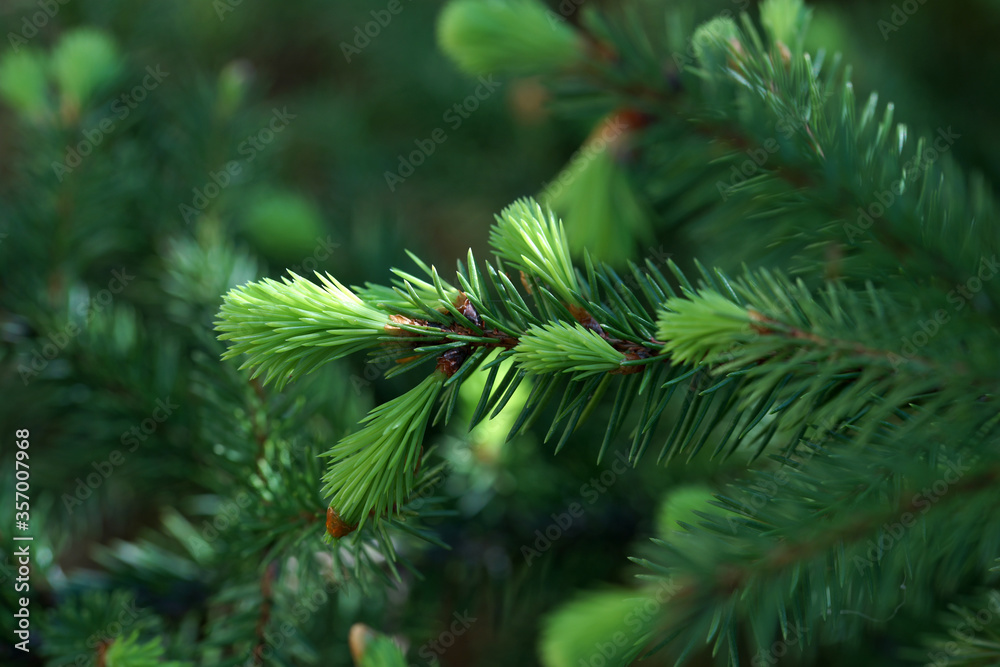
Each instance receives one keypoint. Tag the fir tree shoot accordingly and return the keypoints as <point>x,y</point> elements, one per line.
<point>82,62</point>
<point>701,328</point>
<point>517,36</point>
<point>535,241</point>
<point>566,348</point>
<point>606,625</point>
<point>23,83</point>
<point>371,473</point>
<point>762,337</point>
<point>292,327</point>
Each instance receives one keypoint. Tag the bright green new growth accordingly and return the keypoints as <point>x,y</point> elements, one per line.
<point>23,82</point>
<point>517,36</point>
<point>562,347</point>
<point>814,381</point>
<point>382,651</point>
<point>715,41</point>
<point>82,62</point>
<point>292,327</point>
<point>701,328</point>
<point>786,21</point>
<point>680,506</point>
<point>536,243</point>
<point>569,637</point>
<point>373,469</point>
<point>590,191</point>
<point>815,415</point>
<point>129,651</point>
<point>283,221</point>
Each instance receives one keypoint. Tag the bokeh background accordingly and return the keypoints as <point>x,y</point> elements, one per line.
<point>315,194</point>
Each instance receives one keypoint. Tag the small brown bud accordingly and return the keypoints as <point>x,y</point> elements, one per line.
<point>449,362</point>
<point>400,319</point>
<point>357,641</point>
<point>337,527</point>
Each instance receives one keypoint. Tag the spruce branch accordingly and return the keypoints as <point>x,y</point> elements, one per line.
<point>566,348</point>
<point>702,328</point>
<point>371,472</point>
<point>292,327</point>
<point>80,629</point>
<point>131,651</point>
<point>536,243</point>
<point>829,160</point>
<point>972,634</point>
<point>827,358</point>
<point>838,536</point>
<point>842,156</point>
<point>774,346</point>
<point>869,430</point>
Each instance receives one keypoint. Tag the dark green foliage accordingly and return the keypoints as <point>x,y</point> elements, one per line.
<point>800,375</point>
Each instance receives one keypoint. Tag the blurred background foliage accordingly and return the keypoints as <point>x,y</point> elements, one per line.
<point>316,195</point>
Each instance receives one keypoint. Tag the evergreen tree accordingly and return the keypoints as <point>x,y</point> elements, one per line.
<point>797,395</point>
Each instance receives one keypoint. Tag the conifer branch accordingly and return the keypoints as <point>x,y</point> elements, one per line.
<point>778,346</point>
